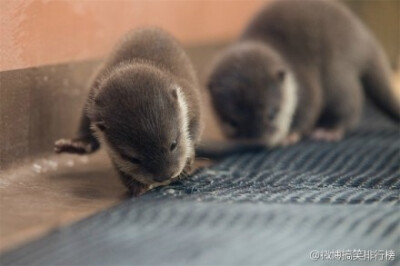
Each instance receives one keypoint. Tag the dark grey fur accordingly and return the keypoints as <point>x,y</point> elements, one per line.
<point>133,102</point>
<point>331,54</point>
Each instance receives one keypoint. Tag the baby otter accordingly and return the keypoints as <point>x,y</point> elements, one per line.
<point>144,107</point>
<point>298,70</point>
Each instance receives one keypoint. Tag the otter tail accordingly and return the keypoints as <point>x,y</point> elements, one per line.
<point>377,84</point>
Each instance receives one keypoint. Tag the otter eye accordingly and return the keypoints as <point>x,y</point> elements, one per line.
<point>173,146</point>
<point>233,124</point>
<point>131,159</point>
<point>134,160</point>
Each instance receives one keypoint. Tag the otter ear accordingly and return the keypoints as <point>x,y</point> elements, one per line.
<point>101,125</point>
<point>280,75</point>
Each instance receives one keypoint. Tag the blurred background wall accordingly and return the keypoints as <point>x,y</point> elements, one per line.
<point>37,32</point>
<point>41,32</point>
<point>383,18</point>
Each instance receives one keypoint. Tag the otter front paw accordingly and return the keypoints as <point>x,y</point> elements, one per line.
<point>77,146</point>
<point>137,189</point>
<point>324,134</point>
<point>189,166</point>
<point>291,139</point>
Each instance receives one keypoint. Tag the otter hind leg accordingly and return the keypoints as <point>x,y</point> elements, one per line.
<point>343,106</point>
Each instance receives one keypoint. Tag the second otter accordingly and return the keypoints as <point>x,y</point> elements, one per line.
<point>298,70</point>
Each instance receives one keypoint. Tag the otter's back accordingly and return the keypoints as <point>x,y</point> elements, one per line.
<point>156,47</point>
<point>311,31</point>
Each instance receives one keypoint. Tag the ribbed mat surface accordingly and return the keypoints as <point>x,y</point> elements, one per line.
<point>268,208</point>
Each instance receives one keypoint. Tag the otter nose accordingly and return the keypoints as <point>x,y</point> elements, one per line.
<point>164,176</point>
<point>165,168</point>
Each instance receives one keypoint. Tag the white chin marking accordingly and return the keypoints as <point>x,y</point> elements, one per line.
<point>288,107</point>
<point>184,129</point>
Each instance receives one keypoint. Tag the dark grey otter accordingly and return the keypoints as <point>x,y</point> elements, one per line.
<point>144,106</point>
<point>299,69</point>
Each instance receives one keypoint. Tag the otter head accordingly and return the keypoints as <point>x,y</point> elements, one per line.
<point>140,115</point>
<point>252,93</point>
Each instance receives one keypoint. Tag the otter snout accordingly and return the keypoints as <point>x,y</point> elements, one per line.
<point>164,177</point>
<point>165,169</point>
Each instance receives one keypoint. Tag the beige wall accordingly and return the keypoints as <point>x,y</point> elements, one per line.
<point>383,18</point>
<point>39,32</point>
<point>42,32</point>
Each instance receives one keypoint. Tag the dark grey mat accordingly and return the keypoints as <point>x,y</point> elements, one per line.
<point>267,208</point>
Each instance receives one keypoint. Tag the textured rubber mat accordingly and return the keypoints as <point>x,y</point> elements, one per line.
<point>311,204</point>
<point>172,232</point>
